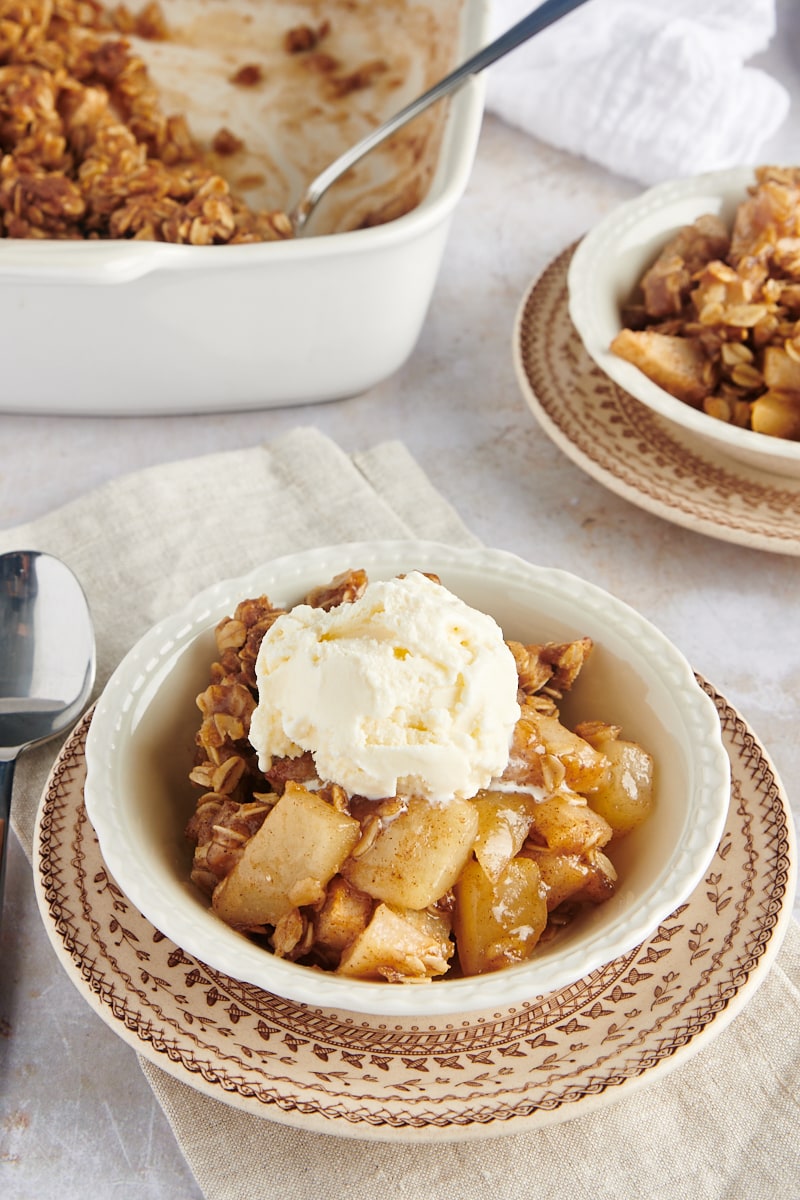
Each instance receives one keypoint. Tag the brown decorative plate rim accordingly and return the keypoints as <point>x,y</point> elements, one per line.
<point>629,449</point>
<point>486,1074</point>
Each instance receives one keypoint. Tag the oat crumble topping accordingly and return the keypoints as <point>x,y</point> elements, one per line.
<point>86,150</point>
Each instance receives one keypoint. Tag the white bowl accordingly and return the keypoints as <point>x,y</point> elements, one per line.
<point>141,741</point>
<point>142,327</point>
<point>604,272</point>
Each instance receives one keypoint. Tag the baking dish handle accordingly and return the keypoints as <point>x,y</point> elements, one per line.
<point>96,263</point>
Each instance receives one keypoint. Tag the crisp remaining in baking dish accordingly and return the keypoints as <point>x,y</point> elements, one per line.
<point>388,791</point>
<point>93,148</point>
<point>255,324</point>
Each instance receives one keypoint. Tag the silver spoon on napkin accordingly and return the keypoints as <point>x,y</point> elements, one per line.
<point>546,14</point>
<point>47,661</point>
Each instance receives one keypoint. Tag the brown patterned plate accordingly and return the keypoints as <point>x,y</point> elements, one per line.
<point>631,450</point>
<point>406,1079</point>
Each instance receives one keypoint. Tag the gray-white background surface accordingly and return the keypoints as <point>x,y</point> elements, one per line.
<point>77,1118</point>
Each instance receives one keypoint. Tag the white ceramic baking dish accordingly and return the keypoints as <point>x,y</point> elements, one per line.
<point>140,327</point>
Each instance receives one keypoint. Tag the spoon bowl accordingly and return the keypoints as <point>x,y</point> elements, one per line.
<point>47,661</point>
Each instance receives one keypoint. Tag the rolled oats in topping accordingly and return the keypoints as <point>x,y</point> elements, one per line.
<point>86,150</point>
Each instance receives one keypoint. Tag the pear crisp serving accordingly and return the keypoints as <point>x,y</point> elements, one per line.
<point>716,319</point>
<point>388,791</point>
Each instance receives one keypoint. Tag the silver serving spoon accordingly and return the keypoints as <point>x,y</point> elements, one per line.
<point>47,661</point>
<point>546,14</point>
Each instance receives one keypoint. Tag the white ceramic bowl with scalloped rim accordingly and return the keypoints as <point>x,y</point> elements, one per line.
<point>141,742</point>
<point>603,274</point>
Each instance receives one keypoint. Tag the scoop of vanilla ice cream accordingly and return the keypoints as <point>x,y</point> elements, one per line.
<point>406,691</point>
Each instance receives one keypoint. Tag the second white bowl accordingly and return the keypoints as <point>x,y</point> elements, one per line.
<point>603,274</point>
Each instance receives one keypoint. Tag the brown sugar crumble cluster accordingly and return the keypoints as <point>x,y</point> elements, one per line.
<point>86,151</point>
<point>340,81</point>
<point>716,321</point>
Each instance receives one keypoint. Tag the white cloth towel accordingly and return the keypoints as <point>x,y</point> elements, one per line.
<point>650,89</point>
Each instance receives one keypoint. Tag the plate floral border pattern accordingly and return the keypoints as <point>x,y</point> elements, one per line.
<point>486,1074</point>
<point>630,449</point>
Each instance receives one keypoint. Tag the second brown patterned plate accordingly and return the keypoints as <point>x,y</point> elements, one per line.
<point>632,451</point>
<point>490,1073</point>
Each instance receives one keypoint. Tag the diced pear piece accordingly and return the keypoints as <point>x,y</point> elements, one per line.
<point>598,733</point>
<point>434,922</point>
<point>302,839</point>
<point>627,796</point>
<point>584,766</point>
<point>398,946</point>
<point>498,924</point>
<point>589,878</point>
<point>777,414</point>
<point>563,875</point>
<point>601,879</point>
<point>674,363</point>
<point>418,855</point>
<point>566,823</point>
<point>781,372</point>
<point>504,821</point>
<point>344,915</point>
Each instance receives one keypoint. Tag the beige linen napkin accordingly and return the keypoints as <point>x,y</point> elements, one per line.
<point>722,1127</point>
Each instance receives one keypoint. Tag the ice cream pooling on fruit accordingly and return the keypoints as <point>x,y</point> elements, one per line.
<point>406,691</point>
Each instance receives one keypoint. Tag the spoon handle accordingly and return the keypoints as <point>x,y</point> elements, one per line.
<point>546,14</point>
<point>6,780</point>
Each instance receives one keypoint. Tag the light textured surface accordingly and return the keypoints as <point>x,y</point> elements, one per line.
<point>77,1117</point>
